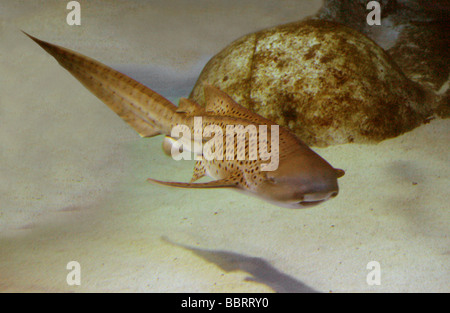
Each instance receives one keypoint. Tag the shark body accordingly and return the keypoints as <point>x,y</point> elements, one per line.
<point>301,179</point>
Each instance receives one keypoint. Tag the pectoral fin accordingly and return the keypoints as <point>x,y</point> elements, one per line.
<point>221,183</point>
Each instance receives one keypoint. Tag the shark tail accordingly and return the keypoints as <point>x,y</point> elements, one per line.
<point>146,111</point>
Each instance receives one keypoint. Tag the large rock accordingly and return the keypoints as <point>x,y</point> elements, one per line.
<point>413,32</point>
<point>329,83</point>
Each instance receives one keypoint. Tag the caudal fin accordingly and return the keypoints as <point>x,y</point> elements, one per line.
<point>142,108</point>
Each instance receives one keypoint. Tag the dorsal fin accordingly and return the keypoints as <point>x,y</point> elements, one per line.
<point>189,106</point>
<point>219,103</point>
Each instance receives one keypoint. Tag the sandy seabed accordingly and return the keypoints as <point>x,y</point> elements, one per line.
<point>73,175</point>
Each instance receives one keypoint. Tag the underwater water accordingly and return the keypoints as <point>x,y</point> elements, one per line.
<point>73,175</point>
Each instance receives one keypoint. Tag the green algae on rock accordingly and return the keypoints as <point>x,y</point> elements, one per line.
<point>328,83</point>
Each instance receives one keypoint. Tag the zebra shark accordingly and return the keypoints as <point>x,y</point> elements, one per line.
<point>301,179</point>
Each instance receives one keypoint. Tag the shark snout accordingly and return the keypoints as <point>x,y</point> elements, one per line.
<point>302,189</point>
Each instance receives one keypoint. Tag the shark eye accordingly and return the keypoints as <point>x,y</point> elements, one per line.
<point>272,179</point>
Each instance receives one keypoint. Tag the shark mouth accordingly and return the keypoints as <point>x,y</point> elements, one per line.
<point>310,203</point>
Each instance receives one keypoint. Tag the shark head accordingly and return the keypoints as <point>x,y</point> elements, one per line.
<point>301,181</point>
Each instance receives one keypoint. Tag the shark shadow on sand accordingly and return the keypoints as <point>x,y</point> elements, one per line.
<point>260,270</point>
